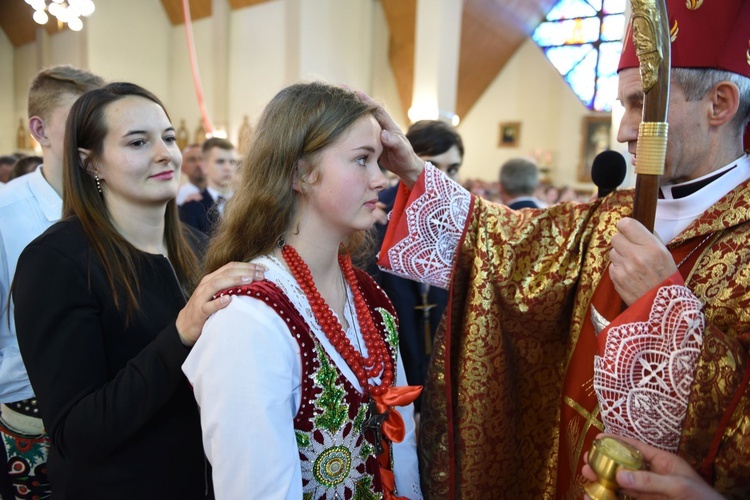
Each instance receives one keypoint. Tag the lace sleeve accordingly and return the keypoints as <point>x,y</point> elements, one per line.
<point>643,379</point>
<point>427,234</point>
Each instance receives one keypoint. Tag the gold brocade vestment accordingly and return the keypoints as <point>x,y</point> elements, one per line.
<point>520,294</point>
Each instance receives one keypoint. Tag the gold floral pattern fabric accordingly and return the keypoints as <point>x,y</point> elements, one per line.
<point>522,285</point>
<point>492,403</point>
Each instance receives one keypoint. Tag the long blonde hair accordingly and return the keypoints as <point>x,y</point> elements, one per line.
<point>295,126</point>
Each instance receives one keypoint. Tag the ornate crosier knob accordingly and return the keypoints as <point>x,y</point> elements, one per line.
<point>606,457</point>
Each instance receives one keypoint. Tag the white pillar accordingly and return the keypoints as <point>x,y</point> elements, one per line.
<point>436,52</point>
<point>293,23</point>
<point>219,66</point>
<point>330,40</point>
<point>42,45</point>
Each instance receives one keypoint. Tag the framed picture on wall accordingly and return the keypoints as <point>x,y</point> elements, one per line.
<point>595,139</point>
<point>510,134</point>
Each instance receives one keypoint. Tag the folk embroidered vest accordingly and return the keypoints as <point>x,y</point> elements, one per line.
<point>337,456</point>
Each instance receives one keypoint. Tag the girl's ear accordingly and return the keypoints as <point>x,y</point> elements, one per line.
<point>83,154</point>
<point>297,182</point>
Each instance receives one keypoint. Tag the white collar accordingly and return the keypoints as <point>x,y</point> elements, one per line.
<point>674,215</point>
<point>49,201</point>
<point>215,194</point>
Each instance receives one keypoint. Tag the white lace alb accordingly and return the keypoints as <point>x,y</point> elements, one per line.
<point>643,380</point>
<point>435,221</point>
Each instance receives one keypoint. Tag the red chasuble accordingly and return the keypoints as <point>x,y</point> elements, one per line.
<point>509,406</point>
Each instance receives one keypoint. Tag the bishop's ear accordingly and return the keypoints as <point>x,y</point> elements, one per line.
<point>725,101</point>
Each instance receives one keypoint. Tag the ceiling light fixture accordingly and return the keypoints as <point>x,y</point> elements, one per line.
<point>65,11</point>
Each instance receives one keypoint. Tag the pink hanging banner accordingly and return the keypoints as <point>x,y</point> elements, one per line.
<point>194,68</point>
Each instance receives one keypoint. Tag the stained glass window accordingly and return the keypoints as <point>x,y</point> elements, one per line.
<point>582,40</point>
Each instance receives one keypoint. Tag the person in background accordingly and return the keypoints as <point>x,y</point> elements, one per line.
<point>576,319</point>
<point>104,311</point>
<point>419,306</point>
<point>220,161</point>
<point>29,205</point>
<point>300,385</point>
<point>25,166</point>
<point>194,180</point>
<point>6,167</point>
<point>519,179</point>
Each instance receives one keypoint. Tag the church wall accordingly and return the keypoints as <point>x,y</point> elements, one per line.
<point>257,61</point>
<point>8,118</point>
<point>131,41</point>
<point>276,43</point>
<point>530,91</point>
<point>181,99</point>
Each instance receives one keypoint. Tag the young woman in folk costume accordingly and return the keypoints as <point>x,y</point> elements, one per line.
<point>299,378</point>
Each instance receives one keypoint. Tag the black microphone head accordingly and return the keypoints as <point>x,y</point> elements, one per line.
<point>608,171</point>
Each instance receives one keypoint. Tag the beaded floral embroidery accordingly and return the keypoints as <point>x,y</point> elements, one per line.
<point>334,453</point>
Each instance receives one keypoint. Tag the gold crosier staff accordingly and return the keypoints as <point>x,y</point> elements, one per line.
<point>649,27</point>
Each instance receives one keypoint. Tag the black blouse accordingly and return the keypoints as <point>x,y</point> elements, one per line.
<point>120,414</point>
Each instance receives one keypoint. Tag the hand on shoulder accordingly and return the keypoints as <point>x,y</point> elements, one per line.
<point>202,303</point>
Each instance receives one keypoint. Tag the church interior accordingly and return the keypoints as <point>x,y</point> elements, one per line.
<point>473,62</point>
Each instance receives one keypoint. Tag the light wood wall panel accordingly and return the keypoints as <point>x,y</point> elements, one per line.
<point>402,20</point>
<point>198,10</point>
<point>18,25</point>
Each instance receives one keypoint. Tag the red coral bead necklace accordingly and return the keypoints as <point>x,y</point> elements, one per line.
<point>378,361</point>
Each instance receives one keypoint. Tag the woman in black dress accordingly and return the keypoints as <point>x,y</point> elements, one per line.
<point>104,313</point>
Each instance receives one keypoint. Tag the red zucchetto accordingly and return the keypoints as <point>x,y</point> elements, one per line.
<point>705,34</point>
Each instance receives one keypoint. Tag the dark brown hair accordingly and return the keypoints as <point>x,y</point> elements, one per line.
<point>433,138</point>
<point>216,142</point>
<point>25,165</point>
<point>87,128</point>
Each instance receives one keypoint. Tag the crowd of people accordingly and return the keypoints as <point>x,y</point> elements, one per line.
<point>16,165</point>
<point>191,324</point>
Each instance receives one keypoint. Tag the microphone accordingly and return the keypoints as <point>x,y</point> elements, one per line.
<point>608,171</point>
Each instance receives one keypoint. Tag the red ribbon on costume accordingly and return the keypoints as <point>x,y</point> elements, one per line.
<point>394,430</point>
<point>393,427</point>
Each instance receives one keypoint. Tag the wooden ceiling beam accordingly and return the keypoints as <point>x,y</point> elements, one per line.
<point>239,4</point>
<point>199,9</point>
<point>17,23</point>
<point>401,16</point>
<point>491,32</point>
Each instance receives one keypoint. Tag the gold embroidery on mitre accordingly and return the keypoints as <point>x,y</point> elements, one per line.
<point>674,31</point>
<point>748,53</point>
<point>693,4</point>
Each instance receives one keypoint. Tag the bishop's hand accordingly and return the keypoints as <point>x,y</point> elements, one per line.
<point>398,155</point>
<point>668,477</point>
<point>639,261</point>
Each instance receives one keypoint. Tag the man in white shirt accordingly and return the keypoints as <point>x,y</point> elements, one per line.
<point>28,206</point>
<point>193,174</point>
<point>220,160</point>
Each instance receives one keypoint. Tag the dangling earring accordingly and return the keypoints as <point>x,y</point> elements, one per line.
<point>98,185</point>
